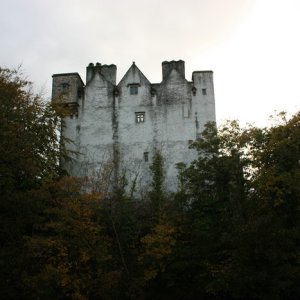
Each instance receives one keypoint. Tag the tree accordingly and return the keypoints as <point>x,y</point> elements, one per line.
<point>156,193</point>
<point>30,149</point>
<point>68,255</point>
<point>266,261</point>
<point>240,200</point>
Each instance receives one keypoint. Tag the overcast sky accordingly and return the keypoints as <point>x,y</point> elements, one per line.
<point>253,46</point>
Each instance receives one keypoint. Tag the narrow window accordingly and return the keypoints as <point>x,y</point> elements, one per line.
<point>146,156</point>
<point>194,90</point>
<point>140,117</point>
<point>79,93</point>
<point>203,91</point>
<point>133,90</point>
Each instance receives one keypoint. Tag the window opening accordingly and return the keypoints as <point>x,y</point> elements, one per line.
<point>139,117</point>
<point>146,156</point>
<point>194,90</point>
<point>133,90</point>
<point>203,91</point>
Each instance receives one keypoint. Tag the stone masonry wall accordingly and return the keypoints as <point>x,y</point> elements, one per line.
<point>107,135</point>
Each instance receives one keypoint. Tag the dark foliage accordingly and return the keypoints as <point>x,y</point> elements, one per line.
<point>230,232</point>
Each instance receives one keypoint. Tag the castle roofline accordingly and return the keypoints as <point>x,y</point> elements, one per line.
<point>100,65</point>
<point>68,74</point>
<point>208,71</point>
<point>132,67</point>
<point>171,61</point>
<point>110,65</point>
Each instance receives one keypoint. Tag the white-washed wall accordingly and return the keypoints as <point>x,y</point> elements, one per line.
<point>106,131</point>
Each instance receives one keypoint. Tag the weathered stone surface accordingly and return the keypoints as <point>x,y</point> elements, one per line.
<point>107,131</point>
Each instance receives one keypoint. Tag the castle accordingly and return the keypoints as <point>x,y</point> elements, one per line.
<point>117,128</point>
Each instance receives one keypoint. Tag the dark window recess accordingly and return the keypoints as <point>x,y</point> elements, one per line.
<point>153,92</point>
<point>134,90</point>
<point>146,156</point>
<point>139,117</point>
<point>72,115</point>
<point>194,90</point>
<point>203,91</point>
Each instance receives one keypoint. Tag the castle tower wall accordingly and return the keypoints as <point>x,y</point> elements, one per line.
<point>135,132</point>
<point>175,120</point>
<point>203,98</point>
<point>68,92</point>
<point>96,127</point>
<point>67,88</point>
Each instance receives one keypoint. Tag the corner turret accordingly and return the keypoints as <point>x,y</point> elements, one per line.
<point>67,90</point>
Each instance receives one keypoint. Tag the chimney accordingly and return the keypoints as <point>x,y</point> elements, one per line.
<point>109,72</point>
<point>89,72</point>
<point>168,66</point>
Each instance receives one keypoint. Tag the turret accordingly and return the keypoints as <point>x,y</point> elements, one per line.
<point>203,97</point>
<point>203,83</point>
<point>67,90</point>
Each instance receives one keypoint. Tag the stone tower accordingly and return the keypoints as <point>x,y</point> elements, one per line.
<point>117,128</point>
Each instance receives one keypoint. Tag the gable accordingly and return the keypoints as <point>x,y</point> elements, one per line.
<point>134,76</point>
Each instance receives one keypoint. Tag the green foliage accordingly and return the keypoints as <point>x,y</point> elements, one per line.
<point>30,151</point>
<point>67,254</point>
<point>240,221</point>
<point>30,148</point>
<point>157,193</point>
<point>232,230</point>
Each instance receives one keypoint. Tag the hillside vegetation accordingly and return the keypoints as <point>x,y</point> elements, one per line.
<point>231,231</point>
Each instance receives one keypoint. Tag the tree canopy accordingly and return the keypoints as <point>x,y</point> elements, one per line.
<point>231,231</point>
<point>30,148</point>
